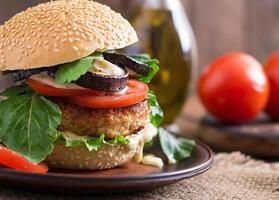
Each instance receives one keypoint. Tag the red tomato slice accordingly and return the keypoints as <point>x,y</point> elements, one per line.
<point>45,85</point>
<point>15,161</point>
<point>136,93</point>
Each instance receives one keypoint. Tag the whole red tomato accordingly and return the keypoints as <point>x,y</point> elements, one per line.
<point>234,88</point>
<point>272,72</point>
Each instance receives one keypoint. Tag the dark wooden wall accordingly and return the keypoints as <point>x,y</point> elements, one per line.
<point>232,25</point>
<point>220,25</point>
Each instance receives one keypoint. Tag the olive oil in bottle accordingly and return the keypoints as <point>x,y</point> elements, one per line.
<point>165,33</point>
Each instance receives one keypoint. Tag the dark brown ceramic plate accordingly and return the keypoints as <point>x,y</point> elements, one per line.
<point>129,178</point>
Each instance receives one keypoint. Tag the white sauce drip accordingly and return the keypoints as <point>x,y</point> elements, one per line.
<point>152,160</point>
<point>149,132</point>
<point>119,93</point>
<point>172,161</point>
<point>146,135</point>
<point>107,68</point>
<point>48,80</point>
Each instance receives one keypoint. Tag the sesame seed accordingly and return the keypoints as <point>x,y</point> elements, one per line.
<point>45,21</point>
<point>75,48</point>
<point>77,39</point>
<point>83,36</point>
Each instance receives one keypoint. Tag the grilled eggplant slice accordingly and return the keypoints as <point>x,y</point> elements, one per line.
<point>104,76</point>
<point>127,62</point>
<point>103,83</point>
<point>20,75</point>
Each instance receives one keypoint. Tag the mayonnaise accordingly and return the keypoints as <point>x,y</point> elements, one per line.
<point>149,132</point>
<point>107,68</point>
<point>146,135</point>
<point>48,80</point>
<point>152,160</point>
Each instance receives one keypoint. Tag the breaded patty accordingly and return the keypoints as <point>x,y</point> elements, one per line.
<point>111,122</point>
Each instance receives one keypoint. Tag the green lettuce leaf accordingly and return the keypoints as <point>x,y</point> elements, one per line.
<point>28,122</point>
<point>153,63</point>
<point>156,114</point>
<point>175,148</point>
<point>70,72</point>
<point>92,143</point>
<point>14,91</point>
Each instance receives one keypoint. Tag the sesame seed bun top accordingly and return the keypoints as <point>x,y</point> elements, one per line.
<point>59,32</point>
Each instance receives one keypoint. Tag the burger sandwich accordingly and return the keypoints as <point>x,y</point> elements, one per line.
<point>77,103</point>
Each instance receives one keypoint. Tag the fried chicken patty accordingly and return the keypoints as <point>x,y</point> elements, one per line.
<point>112,122</point>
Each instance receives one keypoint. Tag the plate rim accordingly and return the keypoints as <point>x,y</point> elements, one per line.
<point>184,172</point>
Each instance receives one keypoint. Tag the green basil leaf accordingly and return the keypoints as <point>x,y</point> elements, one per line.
<point>144,58</point>
<point>15,91</point>
<point>55,135</point>
<point>153,63</point>
<point>27,124</point>
<point>92,143</point>
<point>156,114</point>
<point>175,148</point>
<point>70,72</point>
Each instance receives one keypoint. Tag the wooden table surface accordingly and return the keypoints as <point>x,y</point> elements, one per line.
<point>259,138</point>
<point>190,116</point>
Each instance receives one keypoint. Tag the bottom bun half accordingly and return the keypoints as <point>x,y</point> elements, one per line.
<point>80,158</point>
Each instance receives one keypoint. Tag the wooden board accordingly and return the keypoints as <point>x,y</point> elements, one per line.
<point>239,25</point>
<point>258,138</point>
<point>218,26</point>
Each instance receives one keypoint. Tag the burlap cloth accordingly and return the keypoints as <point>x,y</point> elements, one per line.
<point>233,176</point>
